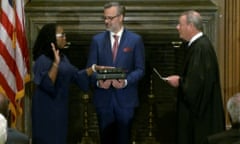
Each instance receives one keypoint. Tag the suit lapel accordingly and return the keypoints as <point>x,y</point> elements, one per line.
<point>108,48</point>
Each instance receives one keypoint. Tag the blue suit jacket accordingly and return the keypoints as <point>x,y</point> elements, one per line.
<point>130,57</point>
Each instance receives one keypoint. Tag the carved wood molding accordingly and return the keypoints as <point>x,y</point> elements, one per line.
<point>149,18</point>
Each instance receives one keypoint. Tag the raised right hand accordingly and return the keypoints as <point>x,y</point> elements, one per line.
<point>56,54</point>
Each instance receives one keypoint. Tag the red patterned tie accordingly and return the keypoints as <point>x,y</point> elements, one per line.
<point>115,47</point>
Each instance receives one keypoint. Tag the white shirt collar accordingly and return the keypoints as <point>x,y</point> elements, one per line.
<point>195,37</point>
<point>119,34</point>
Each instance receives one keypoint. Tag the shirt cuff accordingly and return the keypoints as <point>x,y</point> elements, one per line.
<point>93,68</point>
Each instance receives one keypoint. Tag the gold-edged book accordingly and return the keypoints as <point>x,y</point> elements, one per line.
<point>112,73</point>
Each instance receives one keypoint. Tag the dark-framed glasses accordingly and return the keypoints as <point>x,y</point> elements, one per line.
<point>62,35</point>
<point>110,17</point>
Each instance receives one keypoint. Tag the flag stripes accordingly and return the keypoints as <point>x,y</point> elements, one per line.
<point>14,58</point>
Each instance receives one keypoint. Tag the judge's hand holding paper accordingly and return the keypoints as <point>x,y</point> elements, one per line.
<point>173,80</point>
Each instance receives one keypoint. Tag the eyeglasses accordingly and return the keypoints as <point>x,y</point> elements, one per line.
<point>110,17</point>
<point>61,35</point>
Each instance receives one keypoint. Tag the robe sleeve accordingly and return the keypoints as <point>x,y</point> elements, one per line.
<point>78,77</point>
<point>81,79</point>
<point>41,78</point>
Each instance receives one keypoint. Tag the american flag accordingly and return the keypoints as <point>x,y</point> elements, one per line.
<point>14,56</point>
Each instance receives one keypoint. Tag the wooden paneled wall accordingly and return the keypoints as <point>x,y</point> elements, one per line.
<point>232,48</point>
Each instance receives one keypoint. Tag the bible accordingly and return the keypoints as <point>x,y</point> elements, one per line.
<point>111,73</point>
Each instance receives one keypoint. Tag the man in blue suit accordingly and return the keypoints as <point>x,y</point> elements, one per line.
<point>115,99</point>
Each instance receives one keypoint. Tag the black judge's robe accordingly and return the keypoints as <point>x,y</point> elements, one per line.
<point>200,110</point>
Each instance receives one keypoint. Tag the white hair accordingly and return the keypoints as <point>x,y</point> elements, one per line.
<point>3,129</point>
<point>233,107</point>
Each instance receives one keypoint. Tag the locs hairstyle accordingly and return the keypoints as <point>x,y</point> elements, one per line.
<point>46,36</point>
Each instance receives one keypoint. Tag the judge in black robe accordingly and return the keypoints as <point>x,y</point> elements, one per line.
<point>199,108</point>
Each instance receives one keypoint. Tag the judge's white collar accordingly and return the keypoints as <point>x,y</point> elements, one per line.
<point>195,37</point>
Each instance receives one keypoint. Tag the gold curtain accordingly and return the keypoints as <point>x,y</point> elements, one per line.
<point>231,49</point>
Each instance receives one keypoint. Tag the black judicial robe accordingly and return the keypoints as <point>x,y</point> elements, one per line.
<point>199,108</point>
